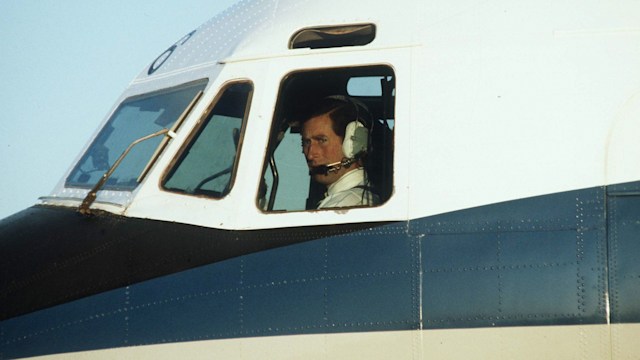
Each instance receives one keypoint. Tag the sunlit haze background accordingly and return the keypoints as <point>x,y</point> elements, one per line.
<point>63,64</point>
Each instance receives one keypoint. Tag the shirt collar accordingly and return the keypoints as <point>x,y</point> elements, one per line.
<point>347,181</point>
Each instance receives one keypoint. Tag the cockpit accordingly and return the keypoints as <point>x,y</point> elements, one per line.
<point>204,161</point>
<point>206,164</point>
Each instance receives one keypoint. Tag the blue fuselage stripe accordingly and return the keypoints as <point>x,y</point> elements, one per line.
<point>548,260</point>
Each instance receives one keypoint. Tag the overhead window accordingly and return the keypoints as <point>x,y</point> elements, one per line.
<point>331,142</point>
<point>323,37</point>
<point>135,118</point>
<point>206,166</point>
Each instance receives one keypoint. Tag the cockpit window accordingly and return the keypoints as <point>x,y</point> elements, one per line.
<point>206,166</point>
<point>135,117</point>
<point>331,143</point>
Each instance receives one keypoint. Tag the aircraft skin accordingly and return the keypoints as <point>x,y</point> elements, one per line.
<point>512,231</point>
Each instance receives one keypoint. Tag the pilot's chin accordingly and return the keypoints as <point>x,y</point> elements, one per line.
<point>321,178</point>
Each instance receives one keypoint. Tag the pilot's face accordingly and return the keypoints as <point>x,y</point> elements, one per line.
<point>322,146</point>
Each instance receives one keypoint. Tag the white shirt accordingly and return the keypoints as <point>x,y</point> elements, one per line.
<point>350,190</point>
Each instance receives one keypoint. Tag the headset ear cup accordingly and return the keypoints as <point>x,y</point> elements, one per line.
<point>356,139</point>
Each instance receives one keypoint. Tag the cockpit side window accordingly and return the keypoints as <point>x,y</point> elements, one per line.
<point>207,164</point>
<point>134,118</point>
<point>331,143</point>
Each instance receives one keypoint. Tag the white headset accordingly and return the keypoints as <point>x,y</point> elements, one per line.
<point>356,134</point>
<point>356,139</point>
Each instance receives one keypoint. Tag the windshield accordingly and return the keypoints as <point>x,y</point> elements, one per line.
<point>135,117</point>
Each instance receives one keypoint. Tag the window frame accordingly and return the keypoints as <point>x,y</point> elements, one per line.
<point>197,130</point>
<point>278,121</point>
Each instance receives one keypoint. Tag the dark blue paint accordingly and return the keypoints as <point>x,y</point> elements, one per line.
<point>537,261</point>
<point>94,322</point>
<point>624,252</point>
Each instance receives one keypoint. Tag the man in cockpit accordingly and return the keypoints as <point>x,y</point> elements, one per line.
<point>334,143</point>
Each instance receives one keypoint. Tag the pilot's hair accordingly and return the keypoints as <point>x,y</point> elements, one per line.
<point>340,110</point>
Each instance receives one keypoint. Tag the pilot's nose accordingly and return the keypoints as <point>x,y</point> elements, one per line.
<point>310,151</point>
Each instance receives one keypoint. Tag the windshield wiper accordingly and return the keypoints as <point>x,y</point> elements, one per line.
<point>171,133</point>
<point>93,193</point>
